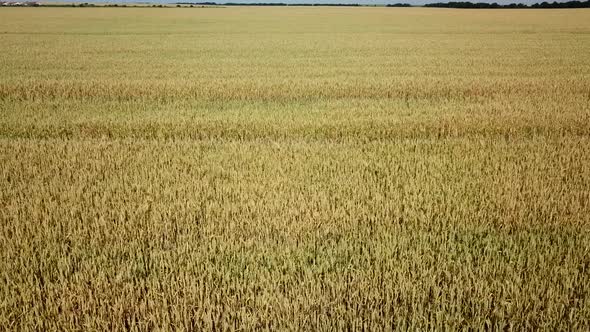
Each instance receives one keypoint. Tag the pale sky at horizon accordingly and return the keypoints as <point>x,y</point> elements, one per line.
<point>364,2</point>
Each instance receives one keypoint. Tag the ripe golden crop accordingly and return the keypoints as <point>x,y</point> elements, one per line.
<point>297,168</point>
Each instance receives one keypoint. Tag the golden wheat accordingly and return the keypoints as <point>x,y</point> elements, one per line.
<point>294,169</point>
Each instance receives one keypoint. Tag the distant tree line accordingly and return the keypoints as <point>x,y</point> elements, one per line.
<point>475,5</point>
<point>469,5</point>
<point>569,4</point>
<point>483,5</point>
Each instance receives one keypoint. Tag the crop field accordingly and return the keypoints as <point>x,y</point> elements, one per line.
<point>294,168</point>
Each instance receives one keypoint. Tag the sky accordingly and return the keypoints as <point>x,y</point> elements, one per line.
<point>364,2</point>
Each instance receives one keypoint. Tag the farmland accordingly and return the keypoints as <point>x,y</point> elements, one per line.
<point>294,169</point>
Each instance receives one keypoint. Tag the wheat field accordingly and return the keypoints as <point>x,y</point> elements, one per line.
<point>294,169</point>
